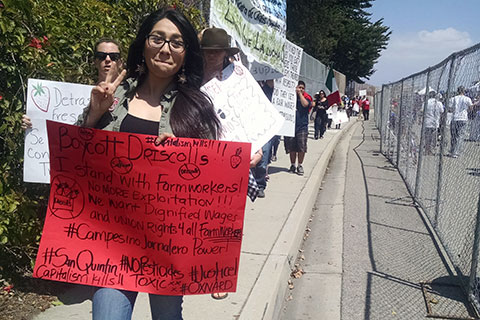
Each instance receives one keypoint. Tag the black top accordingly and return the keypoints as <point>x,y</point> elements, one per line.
<point>321,107</point>
<point>134,124</point>
<point>268,92</point>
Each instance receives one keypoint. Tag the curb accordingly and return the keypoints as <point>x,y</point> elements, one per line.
<point>267,296</point>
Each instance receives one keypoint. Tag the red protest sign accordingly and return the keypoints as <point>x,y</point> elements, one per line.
<point>128,214</point>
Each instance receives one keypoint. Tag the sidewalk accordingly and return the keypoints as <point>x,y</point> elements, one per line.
<point>389,250</point>
<point>369,248</point>
<point>273,232</point>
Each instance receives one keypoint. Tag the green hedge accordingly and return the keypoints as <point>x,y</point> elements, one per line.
<point>53,40</point>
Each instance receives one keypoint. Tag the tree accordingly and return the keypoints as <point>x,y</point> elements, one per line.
<point>339,33</point>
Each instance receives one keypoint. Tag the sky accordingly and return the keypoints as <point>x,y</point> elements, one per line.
<point>424,32</point>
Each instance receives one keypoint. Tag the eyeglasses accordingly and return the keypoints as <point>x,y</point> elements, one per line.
<point>157,42</point>
<point>114,56</point>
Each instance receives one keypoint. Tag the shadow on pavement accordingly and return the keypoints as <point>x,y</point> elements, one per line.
<point>410,278</point>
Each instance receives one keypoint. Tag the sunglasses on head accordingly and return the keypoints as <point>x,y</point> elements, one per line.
<point>114,56</point>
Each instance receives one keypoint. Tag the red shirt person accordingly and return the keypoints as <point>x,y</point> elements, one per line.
<point>366,108</point>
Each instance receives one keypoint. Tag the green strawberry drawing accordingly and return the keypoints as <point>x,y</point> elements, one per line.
<point>41,97</point>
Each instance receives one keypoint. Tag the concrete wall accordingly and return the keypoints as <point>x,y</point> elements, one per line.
<point>314,74</point>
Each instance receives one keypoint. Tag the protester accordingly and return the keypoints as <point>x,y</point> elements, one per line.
<point>338,124</point>
<point>261,169</point>
<point>348,108</point>
<point>320,108</point>
<point>297,146</point>
<point>355,106</point>
<point>433,111</point>
<point>107,57</point>
<point>160,97</point>
<point>217,53</point>
<point>345,100</point>
<point>459,105</point>
<point>474,117</point>
<point>329,118</point>
<point>275,143</point>
<point>366,108</point>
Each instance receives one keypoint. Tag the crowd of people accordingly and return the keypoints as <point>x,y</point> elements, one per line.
<point>460,114</point>
<point>319,111</point>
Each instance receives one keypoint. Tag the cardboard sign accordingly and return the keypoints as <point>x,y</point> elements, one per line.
<point>284,95</point>
<point>245,112</point>
<point>258,26</point>
<point>49,100</point>
<point>127,213</point>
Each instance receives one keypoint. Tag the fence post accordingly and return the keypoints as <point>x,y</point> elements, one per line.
<point>422,136</point>
<point>400,114</point>
<point>382,131</point>
<point>443,127</point>
<point>409,143</point>
<point>473,269</point>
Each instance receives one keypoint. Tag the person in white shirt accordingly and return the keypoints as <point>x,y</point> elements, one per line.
<point>433,111</point>
<point>474,119</point>
<point>460,104</point>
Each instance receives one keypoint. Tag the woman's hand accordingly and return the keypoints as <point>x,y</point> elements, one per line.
<point>256,158</point>
<point>26,122</point>
<point>162,137</point>
<point>101,97</point>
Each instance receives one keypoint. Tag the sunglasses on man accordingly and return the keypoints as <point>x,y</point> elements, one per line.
<point>114,56</point>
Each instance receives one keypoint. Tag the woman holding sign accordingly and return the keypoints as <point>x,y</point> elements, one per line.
<point>161,96</point>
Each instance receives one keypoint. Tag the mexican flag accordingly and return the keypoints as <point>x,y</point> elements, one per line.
<point>331,84</point>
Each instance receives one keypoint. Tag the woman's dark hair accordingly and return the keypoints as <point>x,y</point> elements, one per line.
<point>321,91</point>
<point>192,115</point>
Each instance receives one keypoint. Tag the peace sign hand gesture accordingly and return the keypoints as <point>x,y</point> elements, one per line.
<point>101,97</point>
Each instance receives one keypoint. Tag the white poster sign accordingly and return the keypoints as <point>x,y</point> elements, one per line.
<point>284,96</point>
<point>258,26</point>
<point>362,93</point>
<point>245,112</point>
<point>337,116</point>
<point>49,100</point>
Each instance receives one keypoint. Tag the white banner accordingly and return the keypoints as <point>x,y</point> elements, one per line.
<point>245,112</point>
<point>284,96</point>
<point>338,116</point>
<point>49,100</point>
<point>362,93</point>
<point>259,27</point>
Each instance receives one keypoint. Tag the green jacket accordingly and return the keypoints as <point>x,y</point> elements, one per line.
<point>112,119</point>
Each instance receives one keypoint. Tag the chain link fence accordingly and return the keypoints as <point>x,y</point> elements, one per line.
<point>429,127</point>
